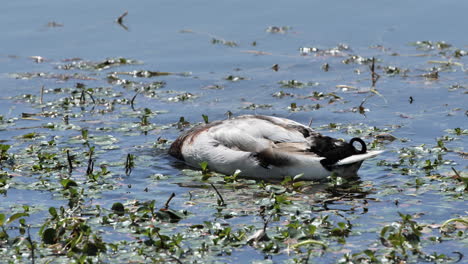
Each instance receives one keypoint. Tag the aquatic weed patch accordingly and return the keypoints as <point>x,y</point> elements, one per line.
<point>85,177</point>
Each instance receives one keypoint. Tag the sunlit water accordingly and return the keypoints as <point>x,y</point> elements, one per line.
<point>176,37</point>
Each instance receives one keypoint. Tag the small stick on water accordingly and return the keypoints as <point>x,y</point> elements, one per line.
<point>310,122</point>
<point>90,168</point>
<point>264,218</point>
<point>133,100</point>
<point>458,176</point>
<point>176,259</point>
<point>91,96</point>
<point>66,119</point>
<point>82,98</point>
<point>41,99</point>
<point>166,206</point>
<point>120,20</point>
<point>219,195</point>
<point>375,76</point>
<point>129,164</point>
<point>70,165</point>
<point>121,17</point>
<point>33,258</point>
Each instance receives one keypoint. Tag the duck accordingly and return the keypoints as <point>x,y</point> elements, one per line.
<point>269,148</point>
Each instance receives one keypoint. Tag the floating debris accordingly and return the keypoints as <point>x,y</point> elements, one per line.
<point>434,75</point>
<point>53,24</point>
<point>393,71</point>
<point>37,59</point>
<point>224,42</point>
<point>429,45</point>
<point>99,65</point>
<point>296,84</point>
<point>253,106</point>
<point>357,60</point>
<point>278,30</point>
<point>385,137</point>
<point>326,67</point>
<point>233,78</point>
<point>182,97</point>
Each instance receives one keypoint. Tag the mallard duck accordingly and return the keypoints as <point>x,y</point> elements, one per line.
<point>269,148</point>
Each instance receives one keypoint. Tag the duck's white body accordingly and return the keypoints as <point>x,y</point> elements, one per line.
<point>264,147</point>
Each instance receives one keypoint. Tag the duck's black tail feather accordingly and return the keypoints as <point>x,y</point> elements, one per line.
<point>363,145</point>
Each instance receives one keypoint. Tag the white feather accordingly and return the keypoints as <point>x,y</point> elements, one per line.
<point>359,157</point>
<point>239,143</point>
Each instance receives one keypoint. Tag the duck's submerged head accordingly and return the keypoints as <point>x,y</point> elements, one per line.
<point>341,158</point>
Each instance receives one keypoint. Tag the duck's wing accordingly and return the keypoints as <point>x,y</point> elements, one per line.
<point>286,130</point>
<point>254,133</point>
<point>301,147</point>
<point>237,139</point>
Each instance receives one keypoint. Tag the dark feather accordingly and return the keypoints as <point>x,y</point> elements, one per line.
<point>334,150</point>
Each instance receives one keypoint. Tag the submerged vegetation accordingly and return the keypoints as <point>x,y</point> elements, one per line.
<point>84,175</point>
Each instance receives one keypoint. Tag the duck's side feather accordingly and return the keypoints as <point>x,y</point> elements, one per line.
<point>175,149</point>
<point>268,147</point>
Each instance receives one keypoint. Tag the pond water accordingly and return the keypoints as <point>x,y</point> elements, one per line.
<point>72,78</point>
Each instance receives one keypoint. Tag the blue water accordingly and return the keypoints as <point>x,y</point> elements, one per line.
<point>88,31</point>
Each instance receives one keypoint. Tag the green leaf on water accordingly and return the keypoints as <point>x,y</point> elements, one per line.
<point>30,135</point>
<point>49,236</point>
<point>118,209</point>
<point>205,118</point>
<point>4,148</point>
<point>53,212</point>
<point>310,242</point>
<point>67,183</point>
<point>204,165</point>
<point>169,215</point>
<point>16,216</point>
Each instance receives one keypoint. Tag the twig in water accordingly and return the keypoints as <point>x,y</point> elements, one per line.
<point>90,168</point>
<point>176,259</point>
<point>221,200</point>
<point>229,114</point>
<point>121,17</point>
<point>33,259</point>
<point>375,76</point>
<point>70,165</point>
<point>82,98</point>
<point>169,200</point>
<point>264,218</point>
<point>310,122</point>
<point>361,108</point>
<point>129,164</point>
<point>66,119</point>
<point>41,99</point>
<point>120,20</point>
<point>133,100</point>
<point>91,96</point>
